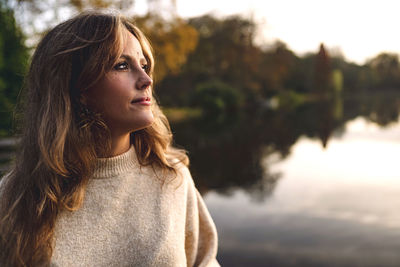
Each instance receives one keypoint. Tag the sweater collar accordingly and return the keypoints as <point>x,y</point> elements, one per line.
<point>114,166</point>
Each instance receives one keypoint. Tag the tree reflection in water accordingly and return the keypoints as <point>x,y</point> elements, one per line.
<point>227,151</point>
<point>238,151</point>
<point>235,151</point>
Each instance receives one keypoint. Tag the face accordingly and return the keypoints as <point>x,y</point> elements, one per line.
<point>123,96</point>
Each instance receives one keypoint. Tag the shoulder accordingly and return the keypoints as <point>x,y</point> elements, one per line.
<point>179,176</point>
<point>184,172</point>
<point>180,167</point>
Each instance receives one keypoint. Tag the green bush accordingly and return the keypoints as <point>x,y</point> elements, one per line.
<point>216,97</point>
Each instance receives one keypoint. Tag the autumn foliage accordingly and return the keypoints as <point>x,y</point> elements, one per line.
<point>209,55</point>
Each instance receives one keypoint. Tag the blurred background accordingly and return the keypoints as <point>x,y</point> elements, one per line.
<point>288,109</point>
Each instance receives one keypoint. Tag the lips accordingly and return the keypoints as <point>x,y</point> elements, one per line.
<point>145,101</point>
<point>141,99</point>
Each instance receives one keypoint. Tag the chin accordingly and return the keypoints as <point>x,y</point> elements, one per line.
<point>143,124</point>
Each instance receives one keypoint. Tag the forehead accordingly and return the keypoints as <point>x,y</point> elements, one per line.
<point>131,45</point>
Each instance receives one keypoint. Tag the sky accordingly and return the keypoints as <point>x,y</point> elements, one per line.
<point>360,29</point>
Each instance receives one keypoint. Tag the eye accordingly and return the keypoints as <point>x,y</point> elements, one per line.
<point>145,67</point>
<point>121,66</point>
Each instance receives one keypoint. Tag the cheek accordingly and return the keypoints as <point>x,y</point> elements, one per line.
<point>109,93</point>
<point>112,89</point>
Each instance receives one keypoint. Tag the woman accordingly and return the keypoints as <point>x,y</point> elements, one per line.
<point>96,181</point>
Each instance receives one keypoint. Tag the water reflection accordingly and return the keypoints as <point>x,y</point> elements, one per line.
<point>311,185</point>
<point>232,149</point>
<point>331,207</point>
<point>314,184</point>
<point>228,152</point>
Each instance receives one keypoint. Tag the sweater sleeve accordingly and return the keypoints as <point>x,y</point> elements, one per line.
<point>201,240</point>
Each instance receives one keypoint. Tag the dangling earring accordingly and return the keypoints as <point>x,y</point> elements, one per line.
<point>86,116</point>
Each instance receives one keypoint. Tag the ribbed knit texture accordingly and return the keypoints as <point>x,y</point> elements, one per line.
<point>135,215</point>
<point>110,167</point>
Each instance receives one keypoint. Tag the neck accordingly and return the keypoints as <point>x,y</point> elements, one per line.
<point>119,144</point>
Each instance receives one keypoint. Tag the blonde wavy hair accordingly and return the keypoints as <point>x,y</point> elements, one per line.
<point>61,139</point>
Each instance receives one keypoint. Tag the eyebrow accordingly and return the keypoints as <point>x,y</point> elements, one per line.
<point>142,60</point>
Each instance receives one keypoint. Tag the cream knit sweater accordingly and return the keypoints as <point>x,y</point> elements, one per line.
<point>130,217</point>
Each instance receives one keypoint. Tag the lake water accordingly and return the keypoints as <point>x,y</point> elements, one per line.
<point>312,185</point>
<point>332,206</point>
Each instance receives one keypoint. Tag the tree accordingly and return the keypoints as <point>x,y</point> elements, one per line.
<point>225,51</point>
<point>13,59</point>
<point>322,71</point>
<point>172,40</point>
<point>385,69</point>
<point>278,69</point>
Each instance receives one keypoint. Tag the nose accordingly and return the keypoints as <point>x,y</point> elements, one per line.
<point>144,82</point>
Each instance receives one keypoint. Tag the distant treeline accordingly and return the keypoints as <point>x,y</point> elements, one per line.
<point>226,69</point>
<point>214,64</point>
